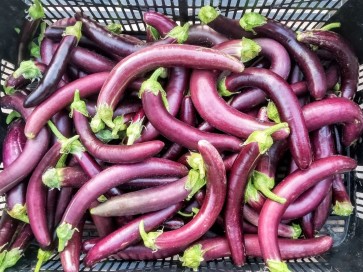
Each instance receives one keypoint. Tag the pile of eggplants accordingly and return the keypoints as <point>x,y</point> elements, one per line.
<point>220,139</point>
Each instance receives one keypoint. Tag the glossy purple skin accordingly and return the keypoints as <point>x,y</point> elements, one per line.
<point>138,184</point>
<point>340,193</point>
<point>307,226</point>
<point>238,178</point>
<point>8,227</point>
<point>187,115</point>
<point>149,58</point>
<point>56,69</point>
<point>113,153</point>
<point>113,43</point>
<point>128,234</point>
<point>26,35</point>
<point>287,104</point>
<point>218,113</point>
<point>252,217</point>
<point>211,207</point>
<point>216,248</point>
<point>64,22</point>
<point>52,200</point>
<point>64,198</point>
<point>15,102</point>
<point>104,225</point>
<point>143,201</point>
<point>335,111</point>
<point>25,236</point>
<point>73,177</point>
<point>62,98</point>
<point>205,36</point>
<point>36,197</point>
<point>159,21</point>
<point>14,142</point>
<point>229,27</point>
<point>140,252</point>
<point>290,188</point>
<point>343,54</point>
<point>32,153</point>
<point>46,50</point>
<point>114,176</point>
<point>21,82</point>
<point>90,62</point>
<point>176,88</point>
<point>322,212</point>
<point>179,132</point>
<point>71,254</point>
<point>307,60</point>
<point>323,146</point>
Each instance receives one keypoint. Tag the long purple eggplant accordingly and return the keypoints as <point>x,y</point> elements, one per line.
<point>73,177</point>
<point>107,179</point>
<point>343,54</point>
<point>290,188</point>
<point>63,97</point>
<point>174,129</point>
<point>36,197</point>
<point>288,107</point>
<point>146,200</point>
<point>162,23</point>
<point>150,58</point>
<point>46,50</point>
<point>341,200</point>
<point>322,212</point>
<point>56,68</point>
<point>218,113</point>
<point>215,248</point>
<point>8,227</point>
<point>208,213</point>
<point>128,234</point>
<point>308,61</point>
<point>175,90</point>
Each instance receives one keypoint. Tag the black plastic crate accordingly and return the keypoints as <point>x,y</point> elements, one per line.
<point>346,254</point>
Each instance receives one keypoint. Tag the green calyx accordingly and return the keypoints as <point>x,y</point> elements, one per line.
<point>119,126</point>
<point>191,214</point>
<point>265,184</point>
<point>28,70</point>
<point>179,33</point>
<point>19,212</point>
<point>207,14</point>
<point>106,136</point>
<point>251,20</point>
<point>69,146</point>
<point>104,113</point>
<point>64,233</point>
<point>133,131</point>
<point>36,11</point>
<point>8,90</point>
<point>52,178</point>
<point>263,137</point>
<point>149,238</point>
<point>102,198</point>
<point>277,266</point>
<point>196,162</point>
<point>192,257</point>
<point>152,85</point>
<point>42,256</point>
<point>297,231</point>
<point>222,90</point>
<point>154,33</point>
<point>249,49</point>
<point>11,258</point>
<point>272,112</point>
<point>2,254</point>
<point>343,208</point>
<point>114,28</point>
<point>194,182</point>
<point>78,105</point>
<point>251,194</point>
<point>331,26</point>
<point>74,30</point>
<point>97,125</point>
<point>11,116</point>
<point>337,88</point>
